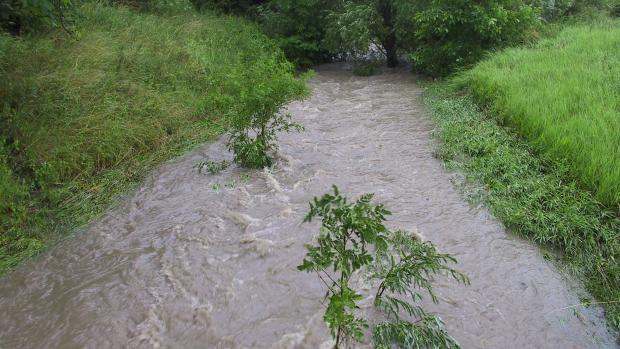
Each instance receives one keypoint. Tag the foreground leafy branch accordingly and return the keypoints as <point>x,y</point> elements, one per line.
<point>353,238</point>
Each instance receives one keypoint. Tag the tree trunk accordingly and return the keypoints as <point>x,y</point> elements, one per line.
<point>386,9</point>
<point>390,50</point>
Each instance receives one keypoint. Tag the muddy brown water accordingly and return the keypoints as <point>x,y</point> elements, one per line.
<point>208,261</point>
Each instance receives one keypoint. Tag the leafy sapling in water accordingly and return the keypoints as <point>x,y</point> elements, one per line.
<point>348,231</point>
<point>405,269</point>
<point>353,238</point>
<point>256,98</point>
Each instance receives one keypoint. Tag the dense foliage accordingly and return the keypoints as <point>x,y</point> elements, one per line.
<point>554,10</point>
<point>239,7</point>
<point>299,26</point>
<point>357,25</point>
<point>353,239</point>
<point>440,35</point>
<point>451,34</point>
<point>83,120</point>
<point>18,16</point>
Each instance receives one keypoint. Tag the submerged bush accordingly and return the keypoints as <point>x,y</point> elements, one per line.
<point>212,167</point>
<point>366,67</point>
<point>353,239</point>
<point>253,88</point>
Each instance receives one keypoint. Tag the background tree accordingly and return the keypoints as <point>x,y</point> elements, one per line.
<point>451,34</point>
<point>440,35</point>
<point>299,26</point>
<point>437,36</point>
<point>356,25</point>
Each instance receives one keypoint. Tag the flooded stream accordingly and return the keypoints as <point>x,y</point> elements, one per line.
<point>208,261</point>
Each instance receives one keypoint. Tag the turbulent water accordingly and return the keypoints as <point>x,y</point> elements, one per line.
<point>208,261</point>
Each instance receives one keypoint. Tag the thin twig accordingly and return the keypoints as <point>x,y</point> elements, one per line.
<point>325,282</point>
<point>329,276</point>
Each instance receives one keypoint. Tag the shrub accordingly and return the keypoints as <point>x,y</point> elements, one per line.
<point>553,10</point>
<point>19,16</point>
<point>353,239</point>
<point>254,87</point>
<point>227,6</point>
<point>366,67</point>
<point>299,27</point>
<point>456,33</point>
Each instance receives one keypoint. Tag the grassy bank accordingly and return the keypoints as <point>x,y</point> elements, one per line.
<point>563,96</point>
<point>539,128</point>
<point>84,117</point>
<point>529,192</point>
<point>559,182</point>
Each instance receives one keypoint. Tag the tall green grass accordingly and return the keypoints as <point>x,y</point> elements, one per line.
<point>530,194</point>
<point>563,96</point>
<point>83,117</point>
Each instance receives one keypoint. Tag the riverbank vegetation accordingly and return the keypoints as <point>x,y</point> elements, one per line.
<point>537,127</point>
<point>437,36</point>
<point>86,113</point>
<point>562,96</point>
<point>529,192</point>
<point>93,96</point>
